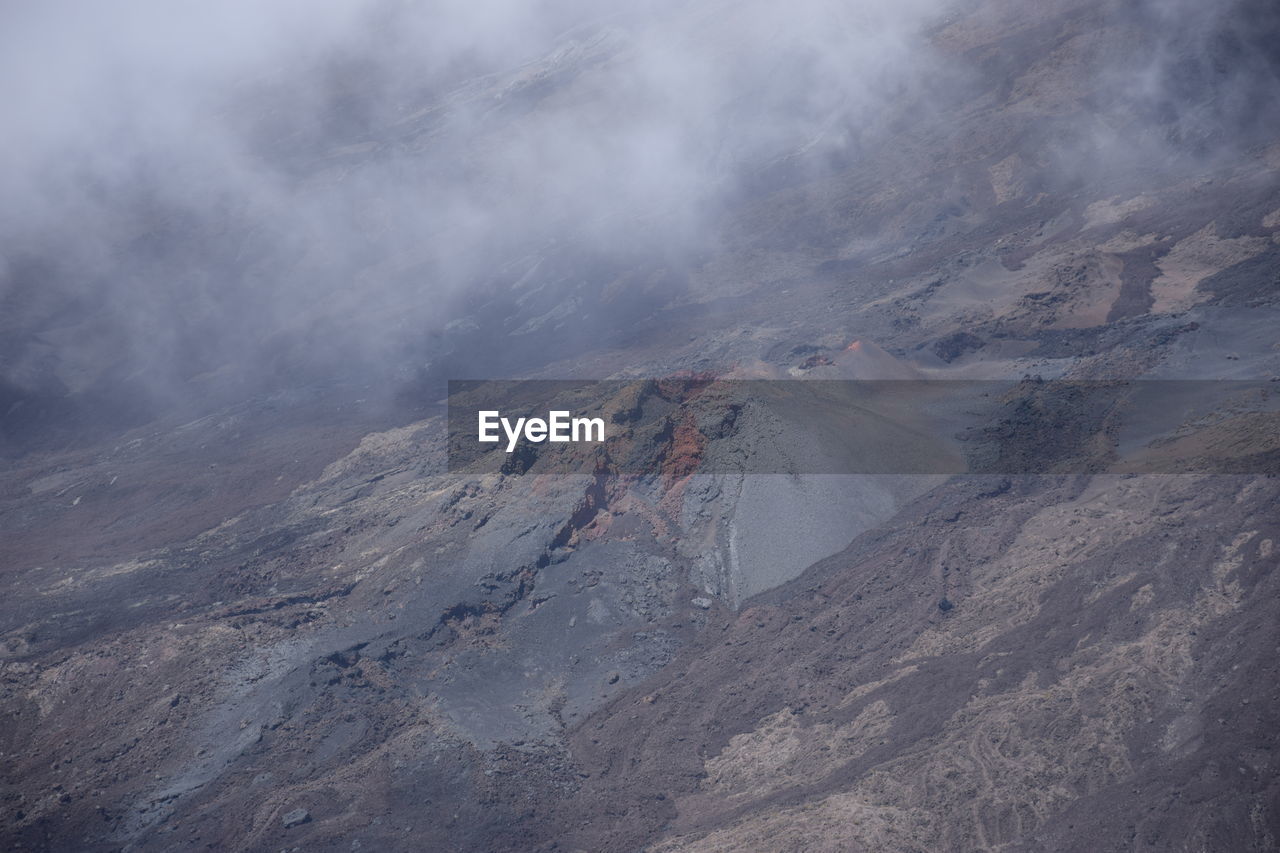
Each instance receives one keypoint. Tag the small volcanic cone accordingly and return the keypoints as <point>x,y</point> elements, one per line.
<point>861,359</point>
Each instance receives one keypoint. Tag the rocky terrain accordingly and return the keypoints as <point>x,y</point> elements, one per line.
<point>268,615</point>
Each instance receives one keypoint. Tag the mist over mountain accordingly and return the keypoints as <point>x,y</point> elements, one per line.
<point>256,195</point>
<point>253,599</point>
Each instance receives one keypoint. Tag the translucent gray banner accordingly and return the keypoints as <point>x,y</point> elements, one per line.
<point>697,424</point>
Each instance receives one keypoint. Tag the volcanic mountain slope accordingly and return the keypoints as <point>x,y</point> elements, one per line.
<point>284,624</point>
<point>1043,669</point>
